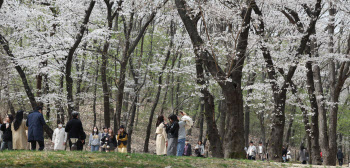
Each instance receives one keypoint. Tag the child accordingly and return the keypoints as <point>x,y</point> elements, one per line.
<point>59,137</point>
<point>122,139</point>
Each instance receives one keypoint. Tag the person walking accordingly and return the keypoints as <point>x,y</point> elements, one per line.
<point>94,140</point>
<point>76,133</point>
<point>188,149</point>
<point>284,154</point>
<point>59,137</point>
<point>35,123</point>
<point>172,130</point>
<point>161,139</point>
<point>7,133</point>
<point>122,140</point>
<point>18,128</point>
<point>251,152</point>
<point>302,155</point>
<point>340,157</point>
<point>261,151</point>
<point>199,149</point>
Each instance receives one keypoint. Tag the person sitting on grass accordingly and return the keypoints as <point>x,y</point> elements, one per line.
<point>187,149</point>
<point>122,139</point>
<point>59,137</point>
<point>94,140</point>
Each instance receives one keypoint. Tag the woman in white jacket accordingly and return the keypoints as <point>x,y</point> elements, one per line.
<point>59,138</point>
<point>161,140</point>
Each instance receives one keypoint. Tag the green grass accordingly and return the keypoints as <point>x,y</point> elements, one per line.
<point>94,160</point>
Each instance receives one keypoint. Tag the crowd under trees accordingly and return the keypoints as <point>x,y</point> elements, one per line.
<point>275,70</point>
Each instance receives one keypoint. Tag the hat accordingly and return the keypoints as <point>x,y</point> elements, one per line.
<point>251,141</point>
<point>122,126</point>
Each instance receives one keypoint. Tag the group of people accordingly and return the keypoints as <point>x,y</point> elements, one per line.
<point>13,130</point>
<point>253,152</point>
<point>171,137</point>
<point>15,133</point>
<point>108,141</point>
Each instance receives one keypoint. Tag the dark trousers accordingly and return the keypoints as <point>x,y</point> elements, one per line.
<point>251,158</point>
<point>340,162</point>
<point>41,145</point>
<point>80,145</point>
<point>6,145</point>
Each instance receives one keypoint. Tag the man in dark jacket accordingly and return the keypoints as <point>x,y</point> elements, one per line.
<point>173,133</point>
<point>340,157</point>
<point>187,149</point>
<point>74,128</point>
<point>35,123</point>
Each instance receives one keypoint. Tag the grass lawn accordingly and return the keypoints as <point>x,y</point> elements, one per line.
<point>88,159</point>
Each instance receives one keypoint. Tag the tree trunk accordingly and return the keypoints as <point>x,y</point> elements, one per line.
<point>222,124</point>
<point>20,71</point>
<point>201,120</point>
<point>251,80</point>
<point>160,76</point>
<point>137,90</point>
<point>95,92</point>
<point>290,124</point>
<point>213,133</point>
<point>333,95</point>
<point>128,50</point>
<point>279,95</point>
<point>234,138</point>
<point>69,58</point>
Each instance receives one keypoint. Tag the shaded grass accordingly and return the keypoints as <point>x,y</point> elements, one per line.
<point>101,160</point>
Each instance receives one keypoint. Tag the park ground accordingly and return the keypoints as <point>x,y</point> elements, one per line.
<point>134,160</point>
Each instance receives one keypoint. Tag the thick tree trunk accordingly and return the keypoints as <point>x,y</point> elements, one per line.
<point>234,138</point>
<point>251,80</point>
<point>222,124</point>
<point>201,120</point>
<point>333,108</point>
<point>314,135</point>
<point>322,114</point>
<point>290,124</point>
<point>213,133</point>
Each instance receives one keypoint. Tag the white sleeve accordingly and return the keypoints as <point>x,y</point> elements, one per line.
<point>65,136</point>
<point>54,135</point>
